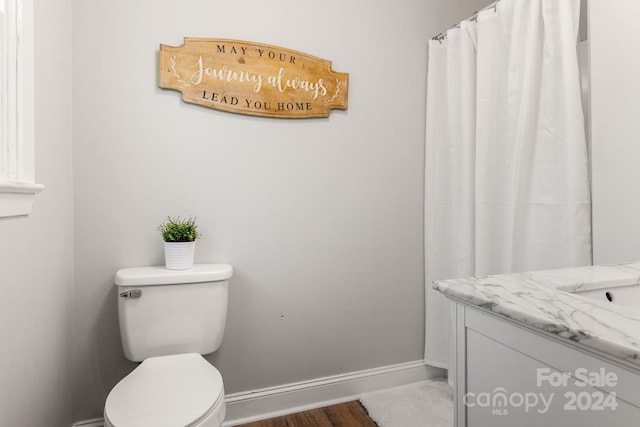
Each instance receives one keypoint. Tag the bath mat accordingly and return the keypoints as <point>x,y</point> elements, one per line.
<point>423,404</point>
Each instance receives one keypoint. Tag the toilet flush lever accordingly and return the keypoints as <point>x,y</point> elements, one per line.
<point>136,293</point>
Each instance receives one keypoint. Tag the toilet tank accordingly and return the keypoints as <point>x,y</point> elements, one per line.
<point>163,312</point>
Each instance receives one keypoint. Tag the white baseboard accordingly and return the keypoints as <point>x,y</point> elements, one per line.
<point>95,422</point>
<point>272,402</point>
<point>287,399</point>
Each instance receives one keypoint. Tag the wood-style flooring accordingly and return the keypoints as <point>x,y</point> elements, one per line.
<point>349,414</point>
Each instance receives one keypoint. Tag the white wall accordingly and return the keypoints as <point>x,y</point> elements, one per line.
<point>36,273</point>
<point>321,218</point>
<point>615,129</point>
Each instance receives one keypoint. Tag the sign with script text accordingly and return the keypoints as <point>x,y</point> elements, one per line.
<point>251,78</point>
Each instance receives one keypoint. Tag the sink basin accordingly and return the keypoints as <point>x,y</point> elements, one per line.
<point>628,295</point>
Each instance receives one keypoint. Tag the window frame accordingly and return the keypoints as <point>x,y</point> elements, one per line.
<point>17,133</point>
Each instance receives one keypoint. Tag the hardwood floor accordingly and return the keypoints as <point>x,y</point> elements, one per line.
<point>349,414</point>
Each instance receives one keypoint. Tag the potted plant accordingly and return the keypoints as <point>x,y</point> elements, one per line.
<point>179,237</point>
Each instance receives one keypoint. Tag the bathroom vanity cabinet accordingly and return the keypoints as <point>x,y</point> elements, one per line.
<point>509,374</point>
<point>544,349</point>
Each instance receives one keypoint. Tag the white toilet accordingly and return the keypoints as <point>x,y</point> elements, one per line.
<point>168,318</point>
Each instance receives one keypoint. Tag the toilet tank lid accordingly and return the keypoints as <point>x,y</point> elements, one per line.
<point>159,275</point>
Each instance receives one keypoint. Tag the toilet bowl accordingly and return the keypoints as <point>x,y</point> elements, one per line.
<point>168,391</point>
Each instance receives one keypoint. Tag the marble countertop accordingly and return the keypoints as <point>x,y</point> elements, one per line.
<point>542,300</point>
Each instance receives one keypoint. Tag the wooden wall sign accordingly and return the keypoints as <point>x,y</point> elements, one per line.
<point>251,78</point>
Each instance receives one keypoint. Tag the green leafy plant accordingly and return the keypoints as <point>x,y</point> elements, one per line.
<point>179,230</point>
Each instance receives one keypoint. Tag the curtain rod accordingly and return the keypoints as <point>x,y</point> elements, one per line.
<point>441,36</point>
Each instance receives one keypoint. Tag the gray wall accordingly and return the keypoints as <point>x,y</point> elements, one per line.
<point>36,273</point>
<point>615,66</point>
<point>322,219</point>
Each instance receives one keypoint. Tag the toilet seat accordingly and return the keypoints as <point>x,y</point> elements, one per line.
<point>167,391</point>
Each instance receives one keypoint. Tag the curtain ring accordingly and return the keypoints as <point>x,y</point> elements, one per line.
<point>439,37</point>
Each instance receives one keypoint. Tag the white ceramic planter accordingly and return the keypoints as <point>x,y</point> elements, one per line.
<point>179,255</point>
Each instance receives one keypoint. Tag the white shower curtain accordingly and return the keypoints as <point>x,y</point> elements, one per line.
<point>506,180</point>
